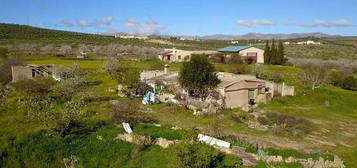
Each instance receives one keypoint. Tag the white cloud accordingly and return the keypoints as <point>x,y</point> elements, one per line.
<point>106,20</point>
<point>337,23</point>
<point>84,23</point>
<point>67,23</point>
<point>103,21</point>
<point>255,22</point>
<point>137,27</point>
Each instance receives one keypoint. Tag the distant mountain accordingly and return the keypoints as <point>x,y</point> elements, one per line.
<point>263,36</point>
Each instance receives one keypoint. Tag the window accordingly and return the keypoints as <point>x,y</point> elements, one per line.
<point>252,54</point>
<point>179,57</point>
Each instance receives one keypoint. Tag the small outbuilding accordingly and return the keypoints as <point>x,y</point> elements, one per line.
<point>248,52</point>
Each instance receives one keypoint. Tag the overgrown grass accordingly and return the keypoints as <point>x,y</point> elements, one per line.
<point>326,103</point>
<point>285,153</point>
<point>163,131</point>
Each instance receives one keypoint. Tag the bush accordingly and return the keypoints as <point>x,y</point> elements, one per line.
<point>263,120</point>
<point>198,155</point>
<point>3,53</point>
<point>335,78</point>
<point>129,111</point>
<point>157,64</point>
<point>286,124</point>
<point>295,126</point>
<point>235,59</point>
<point>140,89</point>
<point>239,69</point>
<point>218,58</point>
<point>350,83</point>
<point>239,118</point>
<point>275,77</point>
<point>37,86</point>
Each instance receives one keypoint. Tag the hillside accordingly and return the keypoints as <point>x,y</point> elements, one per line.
<point>14,34</point>
<point>34,43</point>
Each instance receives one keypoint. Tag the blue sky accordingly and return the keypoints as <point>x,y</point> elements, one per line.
<point>185,17</point>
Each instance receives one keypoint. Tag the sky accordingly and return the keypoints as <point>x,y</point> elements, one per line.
<point>185,17</point>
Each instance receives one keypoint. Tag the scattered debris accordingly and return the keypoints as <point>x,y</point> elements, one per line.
<point>127,128</point>
<point>142,140</point>
<point>157,125</point>
<point>149,98</point>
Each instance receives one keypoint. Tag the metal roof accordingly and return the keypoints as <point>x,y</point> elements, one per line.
<point>233,48</point>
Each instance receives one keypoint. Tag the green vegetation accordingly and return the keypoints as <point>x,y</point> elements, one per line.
<point>44,123</point>
<point>198,76</point>
<point>275,54</point>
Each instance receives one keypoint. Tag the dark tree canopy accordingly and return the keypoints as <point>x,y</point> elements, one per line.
<point>267,54</point>
<point>198,75</point>
<point>274,54</point>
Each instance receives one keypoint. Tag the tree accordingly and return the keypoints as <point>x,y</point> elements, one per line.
<point>280,54</point>
<point>313,75</point>
<point>198,76</point>
<point>111,66</point>
<point>273,54</point>
<point>72,79</point>
<point>44,112</point>
<point>267,54</point>
<point>127,76</point>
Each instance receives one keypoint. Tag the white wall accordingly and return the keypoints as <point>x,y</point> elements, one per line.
<point>260,53</point>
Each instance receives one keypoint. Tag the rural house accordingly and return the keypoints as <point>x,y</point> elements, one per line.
<point>240,90</point>
<point>247,52</point>
<point>32,71</point>
<point>234,90</point>
<point>177,55</point>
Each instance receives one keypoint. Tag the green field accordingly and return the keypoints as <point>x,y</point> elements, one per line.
<point>329,108</point>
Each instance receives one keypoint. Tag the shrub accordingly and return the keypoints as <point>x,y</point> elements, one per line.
<point>3,53</point>
<point>263,120</point>
<point>141,88</point>
<point>235,59</point>
<point>198,155</point>
<point>335,78</point>
<point>127,76</point>
<point>275,77</point>
<point>129,111</point>
<point>350,83</point>
<point>37,86</point>
<point>293,125</point>
<point>218,58</point>
<point>239,69</point>
<point>3,91</point>
<point>240,118</point>
<point>156,64</point>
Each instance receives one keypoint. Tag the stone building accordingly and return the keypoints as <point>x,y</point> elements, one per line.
<point>31,71</point>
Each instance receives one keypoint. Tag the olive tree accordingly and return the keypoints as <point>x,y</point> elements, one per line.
<point>313,75</point>
<point>198,76</point>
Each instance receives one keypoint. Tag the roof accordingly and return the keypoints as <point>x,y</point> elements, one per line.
<point>233,48</point>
